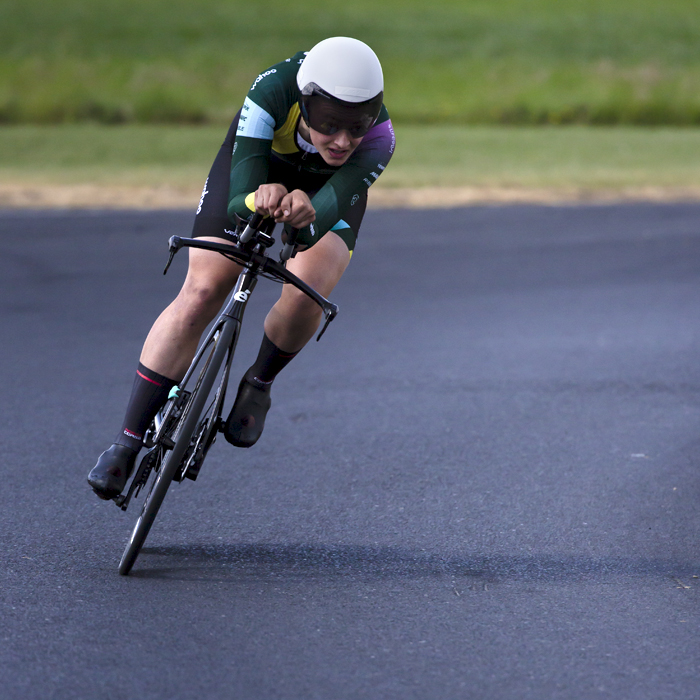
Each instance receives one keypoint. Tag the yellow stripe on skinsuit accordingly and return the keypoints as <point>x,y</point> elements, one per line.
<point>284,141</point>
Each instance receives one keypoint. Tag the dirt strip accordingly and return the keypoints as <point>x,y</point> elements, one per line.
<point>167,197</point>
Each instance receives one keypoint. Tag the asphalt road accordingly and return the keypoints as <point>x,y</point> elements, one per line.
<point>482,483</point>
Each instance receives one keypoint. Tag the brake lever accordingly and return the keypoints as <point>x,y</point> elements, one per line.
<point>174,244</point>
<point>330,313</point>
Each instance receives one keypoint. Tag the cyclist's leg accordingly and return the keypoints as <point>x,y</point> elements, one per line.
<point>173,340</point>
<point>167,353</point>
<point>294,319</point>
<point>290,324</point>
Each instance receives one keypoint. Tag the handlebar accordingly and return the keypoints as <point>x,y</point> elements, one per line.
<point>246,255</point>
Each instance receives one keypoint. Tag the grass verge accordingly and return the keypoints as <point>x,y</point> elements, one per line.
<point>141,165</point>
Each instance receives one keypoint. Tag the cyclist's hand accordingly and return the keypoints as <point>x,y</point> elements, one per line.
<point>295,209</point>
<point>268,198</point>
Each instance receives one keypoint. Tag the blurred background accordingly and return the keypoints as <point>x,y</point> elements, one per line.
<point>587,95</point>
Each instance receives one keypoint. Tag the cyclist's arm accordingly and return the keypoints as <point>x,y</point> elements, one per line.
<point>249,167</point>
<point>265,109</point>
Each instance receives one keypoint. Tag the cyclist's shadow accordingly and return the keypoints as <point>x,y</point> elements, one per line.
<point>307,561</point>
<point>290,561</point>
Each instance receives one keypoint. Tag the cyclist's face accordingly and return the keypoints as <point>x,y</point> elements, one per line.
<point>336,148</point>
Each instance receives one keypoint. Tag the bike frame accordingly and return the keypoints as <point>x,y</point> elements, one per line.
<point>250,253</point>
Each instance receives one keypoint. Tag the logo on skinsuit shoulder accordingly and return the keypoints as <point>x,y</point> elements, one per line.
<point>263,75</point>
<point>354,199</point>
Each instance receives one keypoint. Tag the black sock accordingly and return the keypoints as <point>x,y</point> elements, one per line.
<point>271,361</point>
<point>149,394</point>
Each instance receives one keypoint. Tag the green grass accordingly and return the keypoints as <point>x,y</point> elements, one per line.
<point>131,154</point>
<point>452,61</point>
<point>552,157</point>
<point>446,156</point>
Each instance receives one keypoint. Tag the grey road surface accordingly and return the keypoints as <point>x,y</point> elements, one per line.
<point>484,481</point>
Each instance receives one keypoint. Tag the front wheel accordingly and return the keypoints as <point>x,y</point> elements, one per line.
<point>180,437</point>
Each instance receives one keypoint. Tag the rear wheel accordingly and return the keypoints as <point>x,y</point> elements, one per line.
<point>179,441</point>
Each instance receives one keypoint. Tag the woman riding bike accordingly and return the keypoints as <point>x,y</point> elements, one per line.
<point>312,136</point>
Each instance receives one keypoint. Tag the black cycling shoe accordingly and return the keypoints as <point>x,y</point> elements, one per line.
<point>114,466</point>
<point>247,418</point>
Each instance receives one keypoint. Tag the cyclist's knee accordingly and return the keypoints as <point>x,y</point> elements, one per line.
<point>209,280</point>
<point>200,301</point>
<point>297,304</point>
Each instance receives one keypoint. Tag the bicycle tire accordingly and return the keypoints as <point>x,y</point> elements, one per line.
<point>184,430</point>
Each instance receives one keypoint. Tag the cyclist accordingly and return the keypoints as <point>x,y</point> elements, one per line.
<point>312,136</point>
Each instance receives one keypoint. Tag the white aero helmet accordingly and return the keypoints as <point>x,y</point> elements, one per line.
<point>341,84</point>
